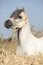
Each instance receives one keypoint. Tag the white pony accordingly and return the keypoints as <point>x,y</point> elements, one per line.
<point>28,43</point>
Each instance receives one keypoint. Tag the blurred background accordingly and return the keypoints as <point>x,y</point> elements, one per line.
<point>34,10</point>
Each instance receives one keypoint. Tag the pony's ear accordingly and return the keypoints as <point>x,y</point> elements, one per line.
<point>17,8</point>
<point>23,9</point>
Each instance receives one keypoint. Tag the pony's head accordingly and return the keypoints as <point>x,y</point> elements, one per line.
<point>17,19</point>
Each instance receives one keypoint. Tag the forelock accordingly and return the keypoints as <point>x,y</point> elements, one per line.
<point>16,13</point>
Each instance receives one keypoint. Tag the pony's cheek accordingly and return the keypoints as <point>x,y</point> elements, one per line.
<point>20,24</point>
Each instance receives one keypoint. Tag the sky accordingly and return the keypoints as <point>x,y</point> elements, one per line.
<point>33,8</point>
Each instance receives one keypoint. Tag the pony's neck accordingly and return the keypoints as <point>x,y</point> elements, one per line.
<point>25,33</point>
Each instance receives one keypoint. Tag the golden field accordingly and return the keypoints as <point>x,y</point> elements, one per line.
<point>8,56</point>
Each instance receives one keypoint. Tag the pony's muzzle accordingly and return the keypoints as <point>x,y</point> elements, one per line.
<point>8,23</point>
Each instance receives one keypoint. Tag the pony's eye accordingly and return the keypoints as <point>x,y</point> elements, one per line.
<point>20,17</point>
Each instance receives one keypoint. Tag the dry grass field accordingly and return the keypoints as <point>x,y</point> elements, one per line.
<point>8,56</point>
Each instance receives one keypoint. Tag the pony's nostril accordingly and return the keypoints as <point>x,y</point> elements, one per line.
<point>8,24</point>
